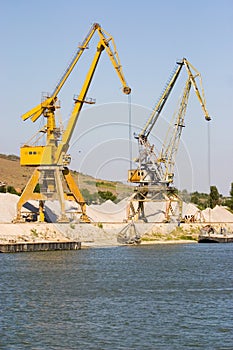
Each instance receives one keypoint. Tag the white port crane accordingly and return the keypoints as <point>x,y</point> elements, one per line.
<point>154,175</point>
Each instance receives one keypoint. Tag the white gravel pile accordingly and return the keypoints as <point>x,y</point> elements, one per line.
<point>217,214</point>
<point>8,204</point>
<point>110,212</point>
<point>107,212</point>
<point>190,209</point>
<point>154,211</point>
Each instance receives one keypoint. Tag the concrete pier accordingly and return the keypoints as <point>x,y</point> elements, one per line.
<point>38,246</point>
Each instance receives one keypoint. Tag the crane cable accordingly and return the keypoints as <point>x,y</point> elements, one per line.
<point>130,130</point>
<point>209,161</point>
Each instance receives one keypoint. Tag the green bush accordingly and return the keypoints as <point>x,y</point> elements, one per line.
<point>105,195</point>
<point>12,190</point>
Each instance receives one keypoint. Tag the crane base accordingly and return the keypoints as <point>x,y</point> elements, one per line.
<point>142,195</point>
<point>55,182</point>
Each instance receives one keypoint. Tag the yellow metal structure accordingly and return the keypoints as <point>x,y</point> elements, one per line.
<point>155,172</point>
<point>35,155</point>
<point>137,175</point>
<point>51,159</point>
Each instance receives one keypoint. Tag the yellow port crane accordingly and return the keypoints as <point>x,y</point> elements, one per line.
<point>155,172</point>
<point>51,160</point>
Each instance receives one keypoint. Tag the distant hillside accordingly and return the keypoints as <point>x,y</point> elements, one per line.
<point>12,174</point>
<point>93,190</point>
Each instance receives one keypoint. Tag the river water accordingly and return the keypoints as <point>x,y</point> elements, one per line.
<point>167,296</point>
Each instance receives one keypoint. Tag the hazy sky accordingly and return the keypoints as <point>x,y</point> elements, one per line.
<point>39,38</point>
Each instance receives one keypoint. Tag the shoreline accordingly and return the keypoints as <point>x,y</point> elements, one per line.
<point>95,235</point>
<point>172,241</point>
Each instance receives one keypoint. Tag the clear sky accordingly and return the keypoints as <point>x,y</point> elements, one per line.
<point>38,39</point>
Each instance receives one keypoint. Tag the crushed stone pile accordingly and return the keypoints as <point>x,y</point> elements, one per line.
<point>8,204</point>
<point>217,214</point>
<point>109,212</point>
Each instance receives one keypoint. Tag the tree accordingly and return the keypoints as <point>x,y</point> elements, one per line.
<point>200,199</point>
<point>105,195</point>
<point>231,191</point>
<point>90,197</point>
<point>229,202</point>
<point>214,196</point>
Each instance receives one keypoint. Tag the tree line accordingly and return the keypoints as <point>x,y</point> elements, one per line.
<point>205,200</point>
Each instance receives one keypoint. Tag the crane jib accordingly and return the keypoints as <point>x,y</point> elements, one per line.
<point>75,59</point>
<point>160,104</point>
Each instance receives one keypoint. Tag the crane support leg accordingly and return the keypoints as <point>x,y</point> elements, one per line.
<point>169,209</point>
<point>28,193</point>
<point>136,206</point>
<point>136,213</point>
<point>60,192</point>
<point>76,193</point>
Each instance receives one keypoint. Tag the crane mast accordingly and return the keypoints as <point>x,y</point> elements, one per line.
<point>51,159</point>
<point>154,175</point>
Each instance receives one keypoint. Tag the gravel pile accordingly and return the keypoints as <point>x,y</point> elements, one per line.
<point>110,212</point>
<point>217,214</point>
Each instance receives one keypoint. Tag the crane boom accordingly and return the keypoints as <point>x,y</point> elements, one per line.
<point>105,40</point>
<point>145,132</point>
<point>37,111</point>
<point>64,144</point>
<point>103,45</point>
<point>171,144</point>
<point>201,97</point>
<point>159,106</point>
<point>51,152</point>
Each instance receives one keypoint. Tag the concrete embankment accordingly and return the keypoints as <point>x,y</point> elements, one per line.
<point>38,246</point>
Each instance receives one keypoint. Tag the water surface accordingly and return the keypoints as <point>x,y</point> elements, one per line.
<point>145,297</point>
